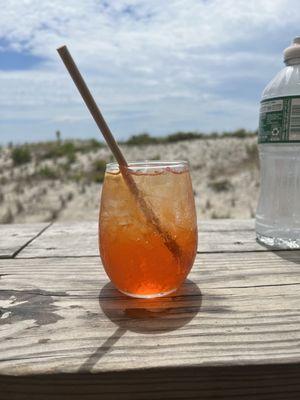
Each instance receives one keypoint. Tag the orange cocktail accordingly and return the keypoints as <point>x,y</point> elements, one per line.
<point>134,254</point>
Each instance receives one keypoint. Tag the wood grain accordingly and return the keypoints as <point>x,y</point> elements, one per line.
<point>72,239</point>
<point>218,225</point>
<point>228,241</point>
<point>276,382</point>
<point>231,331</point>
<point>62,316</point>
<point>13,237</point>
<point>81,239</point>
<point>76,275</point>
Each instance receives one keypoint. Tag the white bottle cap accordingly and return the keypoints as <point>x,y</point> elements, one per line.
<point>293,51</point>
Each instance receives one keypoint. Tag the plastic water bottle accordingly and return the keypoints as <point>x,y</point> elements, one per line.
<point>278,211</point>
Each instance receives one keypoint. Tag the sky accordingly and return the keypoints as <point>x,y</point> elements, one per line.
<point>153,66</point>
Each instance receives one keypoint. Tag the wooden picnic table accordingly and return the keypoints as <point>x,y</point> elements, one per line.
<point>231,332</point>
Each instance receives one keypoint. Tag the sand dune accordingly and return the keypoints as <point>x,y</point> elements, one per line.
<point>224,171</point>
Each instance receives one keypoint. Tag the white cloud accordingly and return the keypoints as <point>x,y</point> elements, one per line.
<point>152,65</point>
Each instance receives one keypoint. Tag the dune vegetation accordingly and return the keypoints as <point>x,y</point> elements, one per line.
<point>62,179</point>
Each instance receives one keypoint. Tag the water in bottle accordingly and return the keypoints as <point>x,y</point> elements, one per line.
<point>278,211</point>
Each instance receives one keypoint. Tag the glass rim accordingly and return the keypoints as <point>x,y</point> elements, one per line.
<point>150,164</point>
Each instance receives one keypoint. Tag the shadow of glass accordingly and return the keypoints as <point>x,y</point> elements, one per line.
<point>144,316</point>
<point>151,315</point>
<point>289,255</point>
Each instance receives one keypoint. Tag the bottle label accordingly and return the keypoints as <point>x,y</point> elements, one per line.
<point>279,120</point>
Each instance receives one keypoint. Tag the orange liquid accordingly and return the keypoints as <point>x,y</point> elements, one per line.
<point>133,253</point>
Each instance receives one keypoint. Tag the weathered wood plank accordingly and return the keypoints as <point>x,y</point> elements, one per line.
<point>228,241</point>
<point>217,225</point>
<point>72,239</point>
<point>81,239</point>
<point>13,237</point>
<point>61,316</point>
<point>280,382</point>
<point>218,270</point>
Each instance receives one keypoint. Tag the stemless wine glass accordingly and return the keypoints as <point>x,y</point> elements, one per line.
<point>134,253</point>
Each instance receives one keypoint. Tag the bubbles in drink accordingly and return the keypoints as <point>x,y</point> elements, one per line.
<point>134,254</point>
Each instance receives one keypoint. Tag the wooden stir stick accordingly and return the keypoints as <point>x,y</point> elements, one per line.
<point>151,217</point>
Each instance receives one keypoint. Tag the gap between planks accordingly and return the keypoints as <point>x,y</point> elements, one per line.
<point>266,250</point>
<point>31,240</point>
